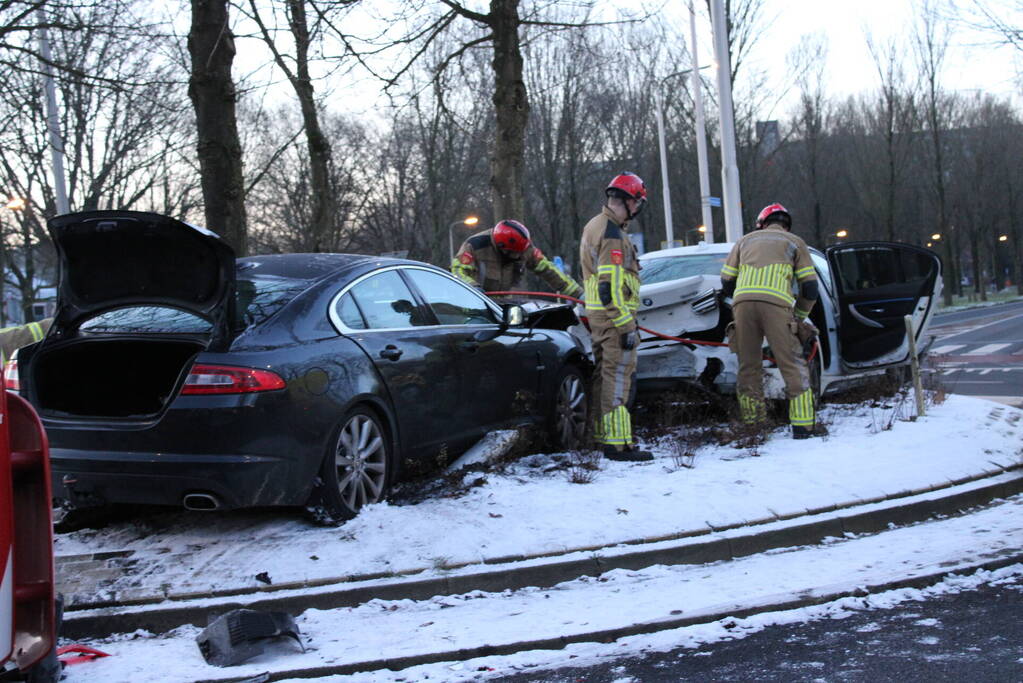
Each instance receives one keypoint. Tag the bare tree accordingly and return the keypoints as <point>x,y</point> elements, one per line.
<point>296,69</point>
<point>211,89</point>
<point>931,42</point>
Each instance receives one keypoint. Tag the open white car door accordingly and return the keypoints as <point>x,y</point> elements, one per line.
<point>878,284</point>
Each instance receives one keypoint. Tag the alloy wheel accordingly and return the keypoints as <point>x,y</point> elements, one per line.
<point>361,462</point>
<point>570,410</point>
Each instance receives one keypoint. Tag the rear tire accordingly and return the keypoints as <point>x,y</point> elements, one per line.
<point>570,414</point>
<point>356,471</point>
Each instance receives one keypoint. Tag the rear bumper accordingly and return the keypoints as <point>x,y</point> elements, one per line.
<point>87,478</point>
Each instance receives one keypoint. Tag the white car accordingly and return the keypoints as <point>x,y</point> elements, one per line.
<point>867,288</point>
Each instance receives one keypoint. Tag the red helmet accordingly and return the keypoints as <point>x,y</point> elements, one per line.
<point>627,184</point>
<point>774,210</point>
<point>511,236</point>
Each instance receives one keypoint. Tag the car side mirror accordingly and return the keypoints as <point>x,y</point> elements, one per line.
<point>513,316</point>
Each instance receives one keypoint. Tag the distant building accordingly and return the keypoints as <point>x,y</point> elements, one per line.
<point>768,137</point>
<point>43,307</point>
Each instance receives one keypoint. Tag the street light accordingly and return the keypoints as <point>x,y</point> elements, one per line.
<point>468,220</point>
<point>1003,238</point>
<point>936,236</point>
<point>702,229</point>
<point>669,228</point>
<point>842,233</point>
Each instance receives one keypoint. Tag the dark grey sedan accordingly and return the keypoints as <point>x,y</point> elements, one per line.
<point>176,374</point>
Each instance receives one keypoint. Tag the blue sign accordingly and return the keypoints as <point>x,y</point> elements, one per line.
<point>714,201</point>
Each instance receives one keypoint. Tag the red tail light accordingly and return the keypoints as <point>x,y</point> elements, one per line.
<point>586,322</point>
<point>11,381</point>
<point>228,379</point>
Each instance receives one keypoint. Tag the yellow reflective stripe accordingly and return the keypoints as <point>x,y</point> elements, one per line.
<point>801,409</point>
<point>803,273</point>
<point>729,270</point>
<point>800,313</point>
<point>617,427</point>
<point>36,330</point>
<point>787,298</point>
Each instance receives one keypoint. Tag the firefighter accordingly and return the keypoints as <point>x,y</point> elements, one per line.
<point>495,260</point>
<point>611,277</point>
<point>13,338</point>
<point>758,276</point>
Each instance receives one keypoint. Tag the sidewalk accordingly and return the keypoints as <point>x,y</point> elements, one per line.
<point>533,511</point>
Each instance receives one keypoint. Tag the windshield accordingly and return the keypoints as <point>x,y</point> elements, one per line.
<point>677,267</point>
<point>257,297</point>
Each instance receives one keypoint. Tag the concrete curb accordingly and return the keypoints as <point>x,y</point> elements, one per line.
<point>727,545</point>
<point>779,603</point>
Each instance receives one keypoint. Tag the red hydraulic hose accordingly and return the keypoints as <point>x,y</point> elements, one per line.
<point>552,295</point>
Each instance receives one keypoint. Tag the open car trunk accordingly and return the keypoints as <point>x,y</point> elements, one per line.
<point>110,378</point>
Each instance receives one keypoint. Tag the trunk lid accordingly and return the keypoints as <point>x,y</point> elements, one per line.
<point>116,259</point>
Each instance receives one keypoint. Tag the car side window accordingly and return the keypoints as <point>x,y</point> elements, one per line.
<point>452,303</point>
<point>385,302</point>
<point>349,313</point>
<point>823,270</point>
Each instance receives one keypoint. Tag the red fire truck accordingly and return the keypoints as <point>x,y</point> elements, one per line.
<point>27,615</point>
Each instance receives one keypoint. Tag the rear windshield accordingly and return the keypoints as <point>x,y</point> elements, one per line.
<point>257,297</point>
<point>677,267</point>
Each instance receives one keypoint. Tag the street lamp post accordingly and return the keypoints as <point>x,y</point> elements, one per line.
<point>468,220</point>
<point>669,227</point>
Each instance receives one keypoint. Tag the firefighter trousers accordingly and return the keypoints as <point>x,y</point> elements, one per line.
<point>613,384</point>
<point>755,320</point>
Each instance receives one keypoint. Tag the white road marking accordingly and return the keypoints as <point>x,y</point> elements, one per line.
<point>986,350</point>
<point>948,348</point>
<point>985,371</point>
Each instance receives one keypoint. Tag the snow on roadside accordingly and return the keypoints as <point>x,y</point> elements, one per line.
<point>531,510</point>
<point>382,630</point>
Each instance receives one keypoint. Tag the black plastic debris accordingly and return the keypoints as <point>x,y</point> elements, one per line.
<point>241,634</point>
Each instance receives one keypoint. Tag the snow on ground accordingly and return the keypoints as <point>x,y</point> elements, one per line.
<point>530,509</point>
<point>380,630</point>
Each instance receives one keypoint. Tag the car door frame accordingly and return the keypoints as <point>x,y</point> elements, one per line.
<point>499,350</point>
<point>413,403</point>
<point>889,305</point>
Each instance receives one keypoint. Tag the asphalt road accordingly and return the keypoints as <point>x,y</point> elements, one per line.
<point>979,352</point>
<point>975,635</point>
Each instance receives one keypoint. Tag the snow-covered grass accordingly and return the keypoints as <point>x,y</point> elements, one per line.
<point>971,300</point>
<point>532,507</point>
<point>581,609</point>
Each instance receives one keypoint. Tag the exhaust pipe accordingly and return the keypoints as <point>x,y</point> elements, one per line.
<point>202,502</point>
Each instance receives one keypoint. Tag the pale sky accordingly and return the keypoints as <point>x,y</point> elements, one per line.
<point>969,63</point>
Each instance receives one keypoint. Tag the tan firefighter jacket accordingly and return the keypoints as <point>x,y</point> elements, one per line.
<point>763,264</point>
<point>610,268</point>
<point>481,264</point>
<point>13,338</point>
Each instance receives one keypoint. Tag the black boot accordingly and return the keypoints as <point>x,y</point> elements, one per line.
<point>800,432</point>
<point>628,454</point>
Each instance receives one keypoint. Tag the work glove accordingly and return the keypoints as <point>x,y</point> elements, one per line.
<point>806,331</point>
<point>629,340</point>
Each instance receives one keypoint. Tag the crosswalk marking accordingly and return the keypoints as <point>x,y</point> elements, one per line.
<point>986,349</point>
<point>948,348</point>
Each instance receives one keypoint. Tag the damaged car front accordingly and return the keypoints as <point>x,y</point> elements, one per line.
<point>867,291</point>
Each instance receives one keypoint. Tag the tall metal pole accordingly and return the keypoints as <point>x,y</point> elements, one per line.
<point>729,166</point>
<point>701,135</point>
<point>669,229</point>
<point>52,118</point>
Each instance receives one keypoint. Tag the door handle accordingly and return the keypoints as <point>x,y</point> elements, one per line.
<point>469,345</point>
<point>391,352</point>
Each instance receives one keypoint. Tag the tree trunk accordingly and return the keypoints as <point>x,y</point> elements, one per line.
<point>318,145</point>
<point>512,110</point>
<point>211,48</point>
